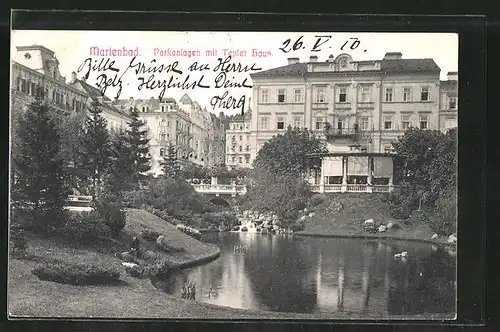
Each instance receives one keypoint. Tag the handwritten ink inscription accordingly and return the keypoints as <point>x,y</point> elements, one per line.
<point>151,76</point>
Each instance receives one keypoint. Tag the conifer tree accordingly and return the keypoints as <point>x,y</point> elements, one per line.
<point>170,164</point>
<point>38,184</point>
<point>139,143</point>
<point>122,167</point>
<point>96,148</point>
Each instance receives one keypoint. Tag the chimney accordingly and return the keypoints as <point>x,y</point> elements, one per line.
<point>73,78</point>
<point>292,61</point>
<point>393,56</point>
<point>452,76</point>
<point>313,58</point>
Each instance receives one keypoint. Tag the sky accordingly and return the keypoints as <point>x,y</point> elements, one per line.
<point>72,48</point>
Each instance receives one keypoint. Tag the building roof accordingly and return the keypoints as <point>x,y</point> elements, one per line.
<point>296,69</point>
<point>409,65</point>
<point>125,104</point>
<point>100,98</point>
<point>450,84</point>
<point>386,66</point>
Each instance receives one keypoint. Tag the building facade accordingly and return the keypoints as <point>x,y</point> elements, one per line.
<point>195,133</point>
<point>238,141</point>
<point>35,69</point>
<point>355,105</point>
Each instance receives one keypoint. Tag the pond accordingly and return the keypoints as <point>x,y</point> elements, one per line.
<point>322,275</point>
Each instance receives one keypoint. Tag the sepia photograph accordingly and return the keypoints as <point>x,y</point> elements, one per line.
<point>233,175</point>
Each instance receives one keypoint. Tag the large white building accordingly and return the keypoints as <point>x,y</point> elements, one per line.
<point>358,107</point>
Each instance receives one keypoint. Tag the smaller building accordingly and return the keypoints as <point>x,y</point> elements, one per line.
<point>362,172</point>
<point>238,141</point>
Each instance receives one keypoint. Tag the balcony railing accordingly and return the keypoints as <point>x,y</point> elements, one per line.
<point>351,188</point>
<point>353,133</point>
<point>227,189</point>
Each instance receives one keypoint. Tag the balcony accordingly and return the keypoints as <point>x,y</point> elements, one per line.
<point>319,106</point>
<point>351,133</point>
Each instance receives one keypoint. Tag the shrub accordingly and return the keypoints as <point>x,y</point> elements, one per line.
<point>216,219</point>
<point>135,199</point>
<point>149,235</point>
<point>316,200</point>
<point>163,245</point>
<point>84,228</point>
<point>443,219</point>
<point>77,274</point>
<point>113,215</point>
<point>17,239</point>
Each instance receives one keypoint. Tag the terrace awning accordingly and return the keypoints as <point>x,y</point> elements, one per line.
<point>382,166</point>
<point>332,166</point>
<point>357,165</point>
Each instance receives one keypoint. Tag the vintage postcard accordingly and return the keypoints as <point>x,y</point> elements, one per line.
<point>233,175</point>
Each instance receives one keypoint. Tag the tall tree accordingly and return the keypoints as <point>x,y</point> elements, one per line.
<point>429,161</point>
<point>96,148</point>
<point>288,153</point>
<point>170,164</point>
<point>38,182</point>
<point>139,142</point>
<point>122,167</point>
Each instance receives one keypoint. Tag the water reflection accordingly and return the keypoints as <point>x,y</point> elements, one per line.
<point>281,273</point>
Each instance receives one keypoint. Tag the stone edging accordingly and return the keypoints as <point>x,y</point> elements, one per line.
<point>363,236</point>
<point>199,261</point>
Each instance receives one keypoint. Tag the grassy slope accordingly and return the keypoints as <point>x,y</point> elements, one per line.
<point>29,296</point>
<point>355,209</point>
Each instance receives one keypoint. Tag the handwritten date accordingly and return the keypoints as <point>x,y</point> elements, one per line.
<point>321,42</point>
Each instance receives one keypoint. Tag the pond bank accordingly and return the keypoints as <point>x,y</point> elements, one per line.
<point>346,234</point>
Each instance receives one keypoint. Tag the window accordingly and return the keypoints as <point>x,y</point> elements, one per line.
<point>281,95</point>
<point>364,123</point>
<point>297,95</point>
<point>163,108</point>
<point>365,94</point>
<point>247,159</point>
<point>406,94</point>
<point>241,148</point>
<point>388,122</point>
<point>233,148</point>
<point>342,95</point>
<point>240,160</point>
<point>319,123</point>
<point>424,122</point>
<point>388,94</point>
<point>320,95</point>
<point>247,148</point>
<point>405,122</point>
<point>162,137</point>
<point>424,94</point>
<point>452,103</point>
<point>162,152</point>
<point>233,159</point>
<point>387,148</point>
<point>264,96</point>
<point>280,124</point>
<point>297,123</point>
<point>264,123</point>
